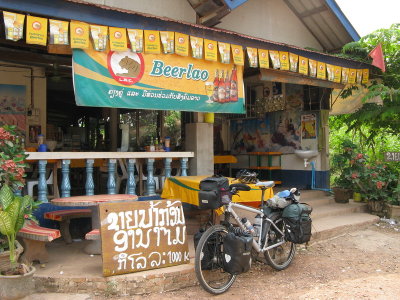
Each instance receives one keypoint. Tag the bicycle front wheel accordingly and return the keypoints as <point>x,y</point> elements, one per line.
<point>280,256</point>
<point>209,261</point>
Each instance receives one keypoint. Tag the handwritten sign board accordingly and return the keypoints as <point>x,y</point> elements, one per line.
<point>392,156</point>
<point>142,235</point>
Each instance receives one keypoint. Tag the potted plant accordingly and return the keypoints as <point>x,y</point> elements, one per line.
<point>377,181</point>
<point>340,168</point>
<point>15,278</point>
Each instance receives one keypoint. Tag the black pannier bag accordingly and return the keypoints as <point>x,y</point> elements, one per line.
<point>211,190</point>
<point>237,253</point>
<point>298,222</point>
<point>206,261</point>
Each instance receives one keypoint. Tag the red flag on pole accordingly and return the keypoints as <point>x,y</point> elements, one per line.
<point>377,58</point>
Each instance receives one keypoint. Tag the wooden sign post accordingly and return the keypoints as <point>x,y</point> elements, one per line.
<point>142,235</point>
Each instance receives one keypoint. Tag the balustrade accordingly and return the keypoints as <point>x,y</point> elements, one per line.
<point>132,158</point>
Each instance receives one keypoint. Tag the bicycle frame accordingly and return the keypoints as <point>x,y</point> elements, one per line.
<point>256,244</point>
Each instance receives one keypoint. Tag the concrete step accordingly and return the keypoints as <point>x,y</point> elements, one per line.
<point>331,226</point>
<point>337,209</point>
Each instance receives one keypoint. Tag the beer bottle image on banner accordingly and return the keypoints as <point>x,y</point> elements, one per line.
<point>216,84</point>
<point>221,88</point>
<point>227,87</point>
<point>234,88</point>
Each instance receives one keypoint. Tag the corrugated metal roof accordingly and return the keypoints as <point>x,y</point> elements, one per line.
<point>326,22</point>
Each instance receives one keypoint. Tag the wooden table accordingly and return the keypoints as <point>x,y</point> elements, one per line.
<point>92,202</point>
<point>186,189</point>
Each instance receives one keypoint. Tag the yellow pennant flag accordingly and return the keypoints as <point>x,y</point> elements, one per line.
<point>237,54</point>
<point>359,75</point>
<point>58,32</point>
<point>345,75</point>
<point>331,72</point>
<point>276,64</point>
<point>210,50</point>
<point>365,76</point>
<point>352,76</point>
<point>152,42</point>
<point>79,35</point>
<point>167,41</point>
<point>118,40</point>
<point>263,58</point>
<point>313,67</point>
<point>303,65</point>
<point>197,47</point>
<point>136,40</point>
<point>284,58</point>
<point>181,44</point>
<point>99,36</point>
<point>253,58</point>
<point>294,61</point>
<point>338,74</point>
<point>36,30</point>
<point>14,25</point>
<point>321,74</point>
<point>225,52</point>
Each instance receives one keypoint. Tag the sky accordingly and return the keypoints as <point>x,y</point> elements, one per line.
<point>369,15</point>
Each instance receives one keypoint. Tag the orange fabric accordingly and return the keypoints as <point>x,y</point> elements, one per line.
<point>30,227</point>
<point>57,215</point>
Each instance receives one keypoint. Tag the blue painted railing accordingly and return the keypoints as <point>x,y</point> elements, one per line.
<point>127,159</point>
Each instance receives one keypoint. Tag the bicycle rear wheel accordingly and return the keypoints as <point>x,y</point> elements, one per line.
<point>209,261</point>
<point>281,256</point>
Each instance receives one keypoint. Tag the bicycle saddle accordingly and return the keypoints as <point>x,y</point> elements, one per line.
<point>267,184</point>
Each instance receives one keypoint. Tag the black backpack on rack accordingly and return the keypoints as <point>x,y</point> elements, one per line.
<point>211,191</point>
<point>297,222</point>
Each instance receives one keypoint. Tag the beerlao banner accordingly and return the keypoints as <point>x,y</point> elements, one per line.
<point>118,40</point>
<point>36,30</point>
<point>151,81</point>
<point>79,35</point>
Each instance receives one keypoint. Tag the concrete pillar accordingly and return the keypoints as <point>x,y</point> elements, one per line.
<point>199,138</point>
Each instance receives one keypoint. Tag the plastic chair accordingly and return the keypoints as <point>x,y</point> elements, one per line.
<point>30,183</point>
<point>144,178</point>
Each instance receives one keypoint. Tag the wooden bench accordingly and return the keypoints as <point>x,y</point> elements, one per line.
<point>64,217</point>
<point>93,235</point>
<point>34,238</point>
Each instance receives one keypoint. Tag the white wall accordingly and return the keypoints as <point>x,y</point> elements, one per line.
<point>174,9</point>
<point>271,20</point>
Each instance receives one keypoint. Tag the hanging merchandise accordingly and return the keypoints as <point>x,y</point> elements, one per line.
<point>14,25</point>
<point>136,40</point>
<point>79,35</point>
<point>58,32</point>
<point>263,58</point>
<point>275,59</point>
<point>294,61</point>
<point>313,67</point>
<point>303,65</point>
<point>365,76</point>
<point>197,47</point>
<point>181,44</point>
<point>338,74</point>
<point>284,59</point>
<point>352,76</point>
<point>253,58</point>
<point>210,50</point>
<point>359,76</point>
<point>331,72</point>
<point>99,36</point>
<point>167,41</point>
<point>225,52</point>
<point>36,30</point>
<point>345,75</point>
<point>118,41</point>
<point>152,42</point>
<point>321,70</point>
<point>237,54</point>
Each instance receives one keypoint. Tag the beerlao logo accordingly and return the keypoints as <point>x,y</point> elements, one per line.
<point>79,30</point>
<point>36,25</point>
<point>117,34</point>
<point>236,51</point>
<point>152,37</point>
<point>210,46</point>
<point>283,57</point>
<point>181,40</point>
<point>263,54</point>
<point>125,67</point>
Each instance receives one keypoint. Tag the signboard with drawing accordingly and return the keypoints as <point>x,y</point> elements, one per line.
<point>142,235</point>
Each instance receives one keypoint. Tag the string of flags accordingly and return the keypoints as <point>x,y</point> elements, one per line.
<point>78,35</point>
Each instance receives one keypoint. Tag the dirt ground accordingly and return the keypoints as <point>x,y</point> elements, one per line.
<point>363,264</point>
